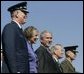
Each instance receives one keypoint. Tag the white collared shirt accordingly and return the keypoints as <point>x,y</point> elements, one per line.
<point>17,23</point>
<point>55,59</point>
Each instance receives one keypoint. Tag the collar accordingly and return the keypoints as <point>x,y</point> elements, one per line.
<point>68,60</point>
<point>55,59</point>
<point>46,48</point>
<point>28,41</point>
<point>18,24</point>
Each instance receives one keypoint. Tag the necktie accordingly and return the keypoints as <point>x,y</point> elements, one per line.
<point>21,30</point>
<point>59,66</point>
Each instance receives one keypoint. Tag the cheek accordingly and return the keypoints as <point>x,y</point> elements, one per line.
<point>32,38</point>
<point>72,55</point>
<point>44,40</point>
<point>60,53</point>
<point>47,40</point>
<point>21,18</point>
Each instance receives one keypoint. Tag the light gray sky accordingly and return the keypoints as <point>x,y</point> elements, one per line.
<point>63,18</point>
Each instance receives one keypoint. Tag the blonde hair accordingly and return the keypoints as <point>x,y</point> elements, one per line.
<point>28,32</point>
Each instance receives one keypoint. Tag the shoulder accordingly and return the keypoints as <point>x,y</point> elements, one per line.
<point>10,25</point>
<point>9,28</point>
<point>64,62</point>
<point>40,51</point>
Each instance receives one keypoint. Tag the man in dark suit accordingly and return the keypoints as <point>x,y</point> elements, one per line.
<point>15,53</point>
<point>70,52</point>
<point>57,53</point>
<point>46,63</point>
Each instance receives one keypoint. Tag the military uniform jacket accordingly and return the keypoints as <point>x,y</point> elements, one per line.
<point>15,53</point>
<point>67,67</point>
<point>46,64</point>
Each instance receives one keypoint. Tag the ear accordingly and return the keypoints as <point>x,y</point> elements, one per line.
<point>16,13</point>
<point>16,16</point>
<point>55,52</point>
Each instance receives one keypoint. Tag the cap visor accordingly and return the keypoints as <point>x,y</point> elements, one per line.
<point>25,11</point>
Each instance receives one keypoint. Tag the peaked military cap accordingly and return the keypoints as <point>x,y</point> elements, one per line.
<point>20,6</point>
<point>71,48</point>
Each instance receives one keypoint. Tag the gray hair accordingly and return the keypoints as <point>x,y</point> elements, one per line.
<point>54,47</point>
<point>43,33</point>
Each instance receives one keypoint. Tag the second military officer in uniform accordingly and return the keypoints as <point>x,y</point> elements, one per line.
<point>70,53</point>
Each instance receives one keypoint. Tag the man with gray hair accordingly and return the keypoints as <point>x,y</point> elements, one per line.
<point>46,38</point>
<point>57,53</point>
<point>43,53</point>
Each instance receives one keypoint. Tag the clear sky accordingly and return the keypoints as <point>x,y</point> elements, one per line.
<point>63,18</point>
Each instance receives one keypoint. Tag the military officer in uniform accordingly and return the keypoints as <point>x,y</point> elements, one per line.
<point>15,53</point>
<point>70,53</point>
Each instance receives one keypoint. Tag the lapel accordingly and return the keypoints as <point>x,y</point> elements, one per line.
<point>46,54</point>
<point>18,29</point>
<point>70,65</point>
<point>57,66</point>
<point>16,25</point>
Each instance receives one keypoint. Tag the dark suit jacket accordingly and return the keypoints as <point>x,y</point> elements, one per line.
<point>46,63</point>
<point>67,67</point>
<point>15,51</point>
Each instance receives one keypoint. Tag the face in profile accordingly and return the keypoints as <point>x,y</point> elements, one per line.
<point>22,16</point>
<point>71,54</point>
<point>59,52</point>
<point>34,37</point>
<point>47,39</point>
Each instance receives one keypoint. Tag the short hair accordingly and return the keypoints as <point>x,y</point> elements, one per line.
<point>43,33</point>
<point>28,32</point>
<point>13,13</point>
<point>54,47</point>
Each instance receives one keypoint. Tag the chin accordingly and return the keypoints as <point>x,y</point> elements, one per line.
<point>48,45</point>
<point>33,42</point>
<point>73,59</point>
<point>23,23</point>
<point>60,57</point>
